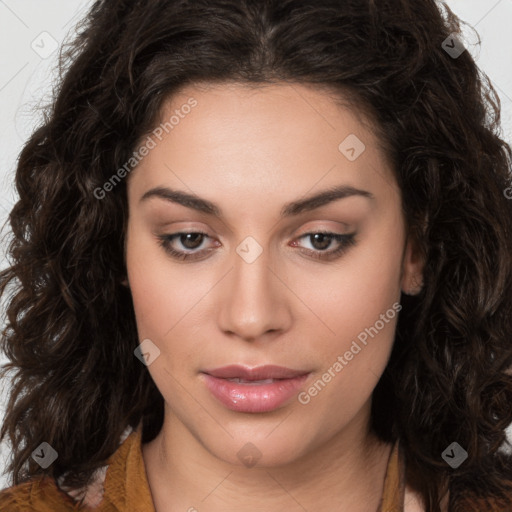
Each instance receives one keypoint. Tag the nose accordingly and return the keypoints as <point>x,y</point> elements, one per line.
<point>254,299</point>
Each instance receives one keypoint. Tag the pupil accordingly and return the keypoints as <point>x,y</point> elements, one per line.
<point>323,237</point>
<point>189,237</point>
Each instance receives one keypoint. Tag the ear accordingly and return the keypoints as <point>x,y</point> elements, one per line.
<point>412,268</point>
<point>124,282</point>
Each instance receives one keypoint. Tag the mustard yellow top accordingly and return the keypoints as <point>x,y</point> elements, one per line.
<point>123,486</point>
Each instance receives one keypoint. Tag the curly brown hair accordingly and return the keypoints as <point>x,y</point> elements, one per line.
<point>71,332</point>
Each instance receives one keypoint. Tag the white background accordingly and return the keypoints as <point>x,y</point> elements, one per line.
<point>26,77</point>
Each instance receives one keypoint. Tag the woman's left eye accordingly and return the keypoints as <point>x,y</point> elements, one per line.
<point>324,239</point>
<point>192,240</point>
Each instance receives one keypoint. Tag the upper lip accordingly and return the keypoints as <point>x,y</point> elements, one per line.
<point>256,373</point>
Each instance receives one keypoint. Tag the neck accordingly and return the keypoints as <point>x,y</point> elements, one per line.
<point>344,472</point>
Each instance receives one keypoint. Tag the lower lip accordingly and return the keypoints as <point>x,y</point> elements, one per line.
<point>243,397</point>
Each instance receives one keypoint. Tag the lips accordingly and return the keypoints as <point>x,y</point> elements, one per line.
<point>252,374</point>
<point>260,389</point>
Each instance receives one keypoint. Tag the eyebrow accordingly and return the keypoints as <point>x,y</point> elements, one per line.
<point>290,209</point>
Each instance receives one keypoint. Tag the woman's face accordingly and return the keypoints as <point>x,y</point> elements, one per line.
<point>259,287</point>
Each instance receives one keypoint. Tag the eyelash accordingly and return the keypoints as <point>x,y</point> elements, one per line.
<point>345,241</point>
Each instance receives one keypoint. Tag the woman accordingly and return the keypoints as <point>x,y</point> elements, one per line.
<point>262,262</point>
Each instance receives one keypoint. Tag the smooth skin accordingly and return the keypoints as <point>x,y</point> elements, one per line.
<point>250,151</point>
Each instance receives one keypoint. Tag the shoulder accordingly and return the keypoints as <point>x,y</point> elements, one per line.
<point>16,498</point>
<point>45,494</point>
<point>39,494</point>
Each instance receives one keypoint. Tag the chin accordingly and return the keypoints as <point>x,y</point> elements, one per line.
<point>262,448</point>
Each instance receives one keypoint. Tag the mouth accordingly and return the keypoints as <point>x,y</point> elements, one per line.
<point>259,389</point>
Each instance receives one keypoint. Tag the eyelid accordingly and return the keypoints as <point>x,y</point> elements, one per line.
<point>340,226</point>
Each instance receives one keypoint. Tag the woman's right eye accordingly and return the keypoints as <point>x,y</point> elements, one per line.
<point>190,240</point>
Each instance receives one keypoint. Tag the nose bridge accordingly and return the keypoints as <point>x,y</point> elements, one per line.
<point>252,302</point>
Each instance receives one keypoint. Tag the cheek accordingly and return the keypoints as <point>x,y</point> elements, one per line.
<point>152,286</point>
<point>166,300</point>
<point>350,296</point>
<point>353,357</point>
<point>357,302</point>
<point>158,291</point>
<point>164,297</point>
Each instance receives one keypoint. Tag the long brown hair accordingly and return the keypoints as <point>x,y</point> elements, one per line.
<point>70,327</point>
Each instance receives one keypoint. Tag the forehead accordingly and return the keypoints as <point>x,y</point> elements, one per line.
<point>268,140</point>
<point>235,109</point>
